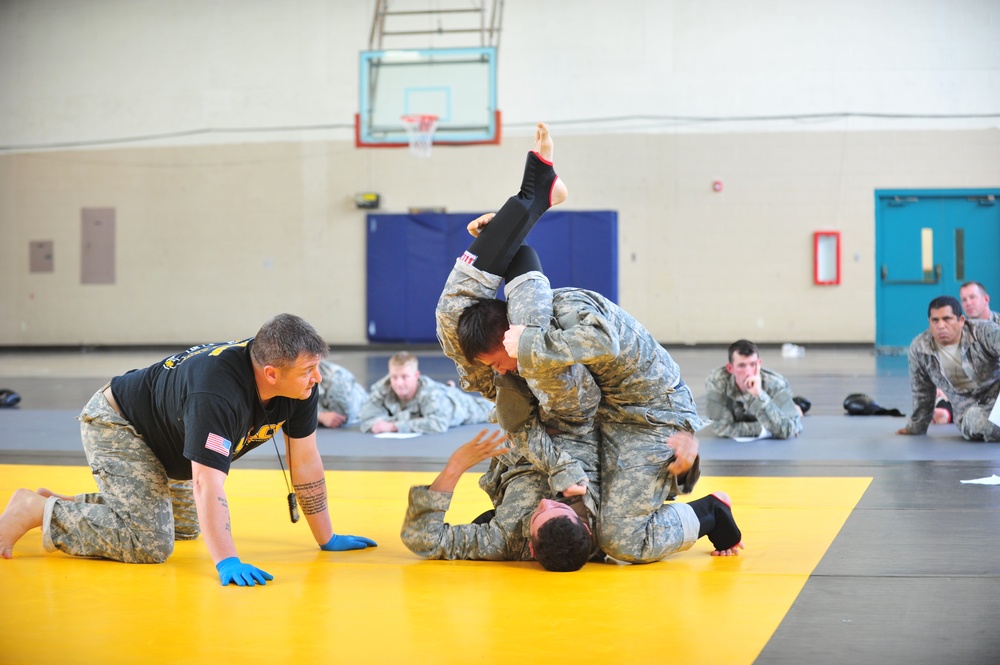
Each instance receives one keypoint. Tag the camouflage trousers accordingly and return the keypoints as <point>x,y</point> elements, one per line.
<point>975,424</point>
<point>137,512</point>
<point>467,409</point>
<point>634,524</point>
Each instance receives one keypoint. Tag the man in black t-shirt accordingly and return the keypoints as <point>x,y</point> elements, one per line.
<point>161,439</point>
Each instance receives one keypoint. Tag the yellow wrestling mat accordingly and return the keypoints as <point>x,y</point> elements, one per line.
<point>385,605</point>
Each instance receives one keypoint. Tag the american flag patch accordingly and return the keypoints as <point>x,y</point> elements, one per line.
<point>468,258</point>
<point>217,444</point>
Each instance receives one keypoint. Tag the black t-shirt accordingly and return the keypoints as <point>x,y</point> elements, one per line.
<point>201,405</point>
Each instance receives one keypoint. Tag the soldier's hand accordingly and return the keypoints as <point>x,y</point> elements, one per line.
<point>512,338</point>
<point>685,447</point>
<point>345,543</point>
<point>331,419</point>
<point>233,571</point>
<point>380,426</point>
<point>484,446</point>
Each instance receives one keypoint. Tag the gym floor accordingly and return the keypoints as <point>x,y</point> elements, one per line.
<point>861,546</point>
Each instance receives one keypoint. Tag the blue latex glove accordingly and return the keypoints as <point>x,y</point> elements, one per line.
<point>342,543</point>
<point>234,570</point>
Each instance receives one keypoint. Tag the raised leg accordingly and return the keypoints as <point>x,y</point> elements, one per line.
<point>499,236</point>
<point>545,148</point>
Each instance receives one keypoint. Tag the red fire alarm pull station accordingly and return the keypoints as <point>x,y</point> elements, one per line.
<point>826,258</point>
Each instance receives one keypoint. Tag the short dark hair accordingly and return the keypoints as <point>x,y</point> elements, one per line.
<point>744,347</point>
<point>945,301</point>
<point>562,545</point>
<point>481,327</point>
<point>283,338</point>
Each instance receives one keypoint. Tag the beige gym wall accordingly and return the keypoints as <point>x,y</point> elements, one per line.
<point>211,240</point>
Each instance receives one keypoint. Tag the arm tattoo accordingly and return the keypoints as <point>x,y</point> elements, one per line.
<point>312,496</point>
<point>225,504</point>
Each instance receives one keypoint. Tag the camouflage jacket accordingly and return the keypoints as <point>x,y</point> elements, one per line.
<point>980,349</point>
<point>434,408</point>
<point>640,382</point>
<point>567,399</point>
<point>514,487</point>
<point>735,413</point>
<point>339,391</point>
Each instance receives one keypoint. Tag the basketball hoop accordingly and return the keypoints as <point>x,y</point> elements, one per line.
<point>420,131</point>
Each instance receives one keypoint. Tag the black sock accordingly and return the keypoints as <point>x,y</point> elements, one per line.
<point>499,240</point>
<point>717,522</point>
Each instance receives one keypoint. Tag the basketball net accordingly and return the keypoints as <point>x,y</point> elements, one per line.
<point>420,132</point>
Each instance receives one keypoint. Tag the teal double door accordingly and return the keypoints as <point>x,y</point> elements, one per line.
<point>928,243</point>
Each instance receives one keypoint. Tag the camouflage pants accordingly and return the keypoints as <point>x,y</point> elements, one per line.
<point>975,424</point>
<point>137,512</point>
<point>634,524</point>
<point>468,409</point>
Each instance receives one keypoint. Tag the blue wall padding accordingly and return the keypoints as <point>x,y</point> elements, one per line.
<point>410,256</point>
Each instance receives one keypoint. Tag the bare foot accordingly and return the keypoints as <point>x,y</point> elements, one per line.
<point>732,551</point>
<point>543,142</point>
<point>24,512</point>
<point>559,192</point>
<point>545,147</point>
<point>42,491</point>
<point>476,226</point>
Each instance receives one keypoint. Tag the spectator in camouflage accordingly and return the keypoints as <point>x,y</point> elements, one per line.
<point>976,302</point>
<point>405,401</point>
<point>747,400</point>
<point>340,396</point>
<point>961,357</point>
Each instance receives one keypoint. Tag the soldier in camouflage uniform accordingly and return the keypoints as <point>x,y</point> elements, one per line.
<point>405,401</point>
<point>516,489</point>
<point>636,443</point>
<point>522,499</point>
<point>745,400</point>
<point>188,418</point>
<point>962,358</point>
<point>340,396</point>
<point>551,470</point>
<point>976,302</point>
<point>647,419</point>
<point>567,400</point>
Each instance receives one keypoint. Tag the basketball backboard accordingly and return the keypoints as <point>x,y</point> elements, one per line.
<point>458,85</point>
